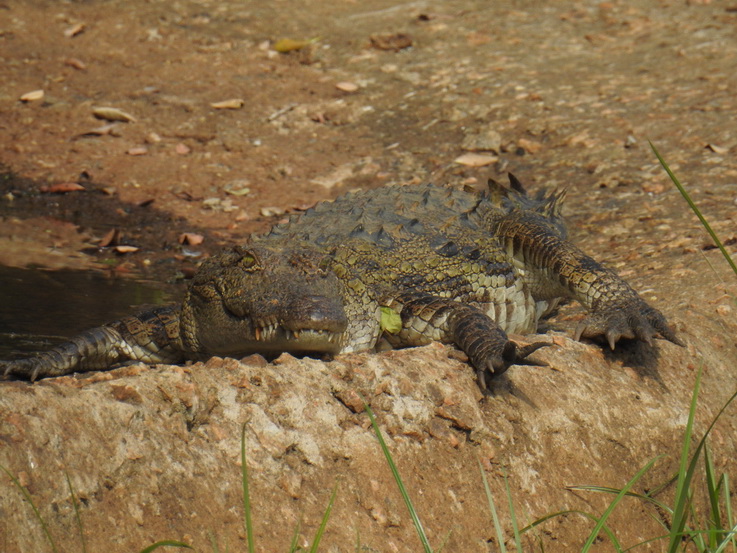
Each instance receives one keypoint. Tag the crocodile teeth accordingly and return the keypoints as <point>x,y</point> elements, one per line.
<point>257,333</point>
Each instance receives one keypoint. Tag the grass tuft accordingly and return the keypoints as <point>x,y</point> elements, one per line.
<point>76,512</point>
<point>246,494</point>
<point>400,484</point>
<point>27,497</point>
<point>324,523</point>
<point>694,208</point>
<point>492,509</point>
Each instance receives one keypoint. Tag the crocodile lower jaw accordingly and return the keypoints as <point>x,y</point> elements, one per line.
<point>277,338</point>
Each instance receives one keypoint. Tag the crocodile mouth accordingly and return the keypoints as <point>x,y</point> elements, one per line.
<point>276,337</point>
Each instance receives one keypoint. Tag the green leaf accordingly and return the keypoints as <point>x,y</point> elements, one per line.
<point>391,321</point>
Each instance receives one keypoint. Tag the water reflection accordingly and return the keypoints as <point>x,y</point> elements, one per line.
<point>40,308</point>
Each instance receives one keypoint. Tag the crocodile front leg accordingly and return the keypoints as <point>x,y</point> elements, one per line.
<point>426,318</point>
<point>151,337</point>
<point>555,267</point>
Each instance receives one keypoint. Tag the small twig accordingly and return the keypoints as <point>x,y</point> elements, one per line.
<point>281,111</point>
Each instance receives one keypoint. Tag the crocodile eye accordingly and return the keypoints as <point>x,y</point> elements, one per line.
<point>248,261</point>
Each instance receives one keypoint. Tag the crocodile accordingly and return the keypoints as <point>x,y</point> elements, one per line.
<point>390,267</point>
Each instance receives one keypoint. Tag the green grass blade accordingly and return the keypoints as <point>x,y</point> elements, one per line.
<point>295,537</point>
<point>27,496</point>
<point>513,515</point>
<point>76,512</point>
<point>684,475</point>
<point>695,209</point>
<point>213,542</point>
<point>622,493</point>
<point>398,479</point>
<point>246,494</point>
<point>729,539</point>
<point>726,492</point>
<point>614,491</point>
<point>712,489</point>
<point>681,497</point>
<point>589,516</point>
<point>492,508</point>
<point>651,540</point>
<point>324,523</point>
<point>445,541</point>
<point>166,543</point>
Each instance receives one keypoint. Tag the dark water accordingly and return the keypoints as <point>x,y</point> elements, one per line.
<point>41,308</point>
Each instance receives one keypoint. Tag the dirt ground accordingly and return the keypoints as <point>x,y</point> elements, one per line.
<point>163,119</point>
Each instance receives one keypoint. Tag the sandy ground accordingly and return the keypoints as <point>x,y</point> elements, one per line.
<point>124,126</point>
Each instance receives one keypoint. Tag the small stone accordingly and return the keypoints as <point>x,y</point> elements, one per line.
<point>485,141</point>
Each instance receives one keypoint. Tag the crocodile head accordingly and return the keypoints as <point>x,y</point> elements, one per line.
<point>256,299</point>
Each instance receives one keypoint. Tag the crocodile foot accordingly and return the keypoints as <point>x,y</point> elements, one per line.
<point>635,319</point>
<point>496,362</point>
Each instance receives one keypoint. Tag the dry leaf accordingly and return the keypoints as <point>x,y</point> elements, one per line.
<point>137,151</point>
<point>347,86</point>
<point>475,160</point>
<point>288,45</point>
<point>717,149</point>
<point>272,211</point>
<point>191,238</point>
<point>61,188</point>
<point>394,42</point>
<point>530,146</point>
<point>32,96</point>
<point>112,114</point>
<point>126,249</point>
<point>100,131</point>
<point>237,188</point>
<point>234,103</point>
<point>74,30</point>
<point>76,63</point>
<point>112,238</point>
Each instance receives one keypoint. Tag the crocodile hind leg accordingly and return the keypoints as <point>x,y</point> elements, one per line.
<point>426,318</point>
<point>151,337</point>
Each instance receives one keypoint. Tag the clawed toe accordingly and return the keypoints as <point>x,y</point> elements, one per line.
<point>640,322</point>
<point>512,354</point>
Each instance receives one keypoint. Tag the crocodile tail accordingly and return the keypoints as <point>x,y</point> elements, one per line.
<point>151,337</point>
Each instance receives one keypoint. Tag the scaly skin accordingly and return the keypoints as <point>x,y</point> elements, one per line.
<point>450,265</point>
